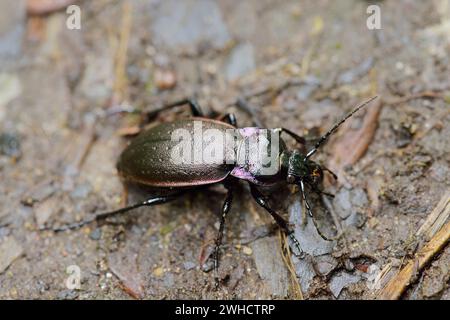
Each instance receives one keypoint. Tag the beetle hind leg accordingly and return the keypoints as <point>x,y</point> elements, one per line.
<point>225,209</point>
<point>102,216</point>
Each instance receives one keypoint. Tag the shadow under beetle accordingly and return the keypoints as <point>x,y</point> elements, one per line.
<point>147,161</point>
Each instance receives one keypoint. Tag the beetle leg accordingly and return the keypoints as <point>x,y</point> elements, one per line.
<point>320,192</point>
<point>244,106</point>
<point>195,108</point>
<point>230,118</point>
<point>308,208</point>
<point>282,223</point>
<point>101,216</point>
<point>225,209</point>
<point>335,177</point>
<point>296,137</point>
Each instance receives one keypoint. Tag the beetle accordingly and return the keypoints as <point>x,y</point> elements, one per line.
<point>148,160</point>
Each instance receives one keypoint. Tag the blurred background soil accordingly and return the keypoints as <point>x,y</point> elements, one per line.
<point>300,65</point>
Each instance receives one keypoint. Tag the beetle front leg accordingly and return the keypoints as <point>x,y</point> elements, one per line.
<point>308,208</point>
<point>282,223</point>
<point>102,216</point>
<point>334,175</point>
<point>225,209</point>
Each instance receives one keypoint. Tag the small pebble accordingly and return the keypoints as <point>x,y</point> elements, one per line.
<point>158,272</point>
<point>247,250</point>
<point>10,145</point>
<point>165,79</point>
<point>10,250</point>
<point>68,295</point>
<point>189,265</point>
<point>96,234</point>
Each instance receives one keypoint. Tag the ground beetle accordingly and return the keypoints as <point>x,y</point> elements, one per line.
<point>148,161</point>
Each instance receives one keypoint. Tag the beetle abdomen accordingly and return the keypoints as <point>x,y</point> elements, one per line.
<point>157,158</point>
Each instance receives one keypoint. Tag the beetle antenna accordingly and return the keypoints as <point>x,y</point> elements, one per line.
<point>324,138</point>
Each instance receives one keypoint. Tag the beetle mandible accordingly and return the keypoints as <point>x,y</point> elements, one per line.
<point>148,160</point>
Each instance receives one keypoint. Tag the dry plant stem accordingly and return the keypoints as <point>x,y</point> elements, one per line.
<point>398,284</point>
<point>120,80</point>
<point>43,7</point>
<point>421,95</point>
<point>286,254</point>
<point>436,219</point>
<point>88,138</point>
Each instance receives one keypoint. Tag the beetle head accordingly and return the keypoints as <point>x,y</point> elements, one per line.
<point>300,168</point>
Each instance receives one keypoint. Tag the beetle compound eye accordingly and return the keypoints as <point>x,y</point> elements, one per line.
<point>316,173</point>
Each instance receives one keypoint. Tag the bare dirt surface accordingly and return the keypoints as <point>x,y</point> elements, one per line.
<point>300,65</point>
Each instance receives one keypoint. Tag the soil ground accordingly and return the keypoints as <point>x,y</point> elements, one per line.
<point>298,64</point>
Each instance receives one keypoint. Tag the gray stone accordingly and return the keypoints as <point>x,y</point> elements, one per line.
<point>341,281</point>
<point>185,25</point>
<point>81,191</point>
<point>347,202</point>
<point>358,71</point>
<point>96,84</point>
<point>12,28</point>
<point>310,240</point>
<point>10,250</point>
<point>68,295</point>
<point>96,234</point>
<point>270,266</point>
<point>189,265</point>
<point>240,62</point>
<point>325,264</point>
<point>311,84</point>
<point>44,210</point>
<point>305,272</point>
<point>168,280</point>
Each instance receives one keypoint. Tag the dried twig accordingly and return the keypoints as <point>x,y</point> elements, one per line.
<point>436,219</point>
<point>438,240</point>
<point>420,95</point>
<point>88,137</point>
<point>120,79</point>
<point>43,7</point>
<point>287,258</point>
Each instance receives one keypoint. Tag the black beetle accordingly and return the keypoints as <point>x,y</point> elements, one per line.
<point>148,160</point>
